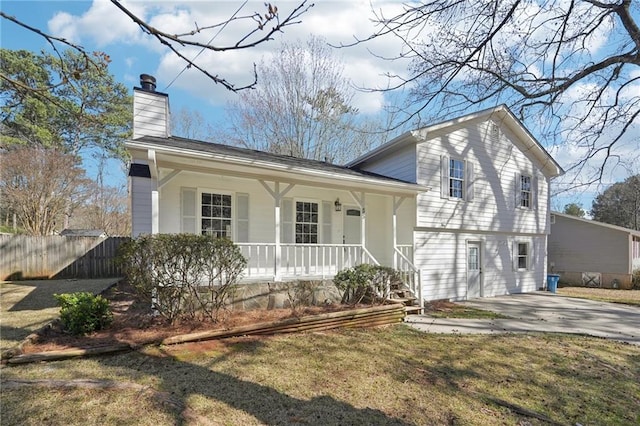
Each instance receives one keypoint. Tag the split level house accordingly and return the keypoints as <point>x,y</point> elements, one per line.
<point>461,207</point>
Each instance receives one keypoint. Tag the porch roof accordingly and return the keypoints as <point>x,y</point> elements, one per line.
<point>187,154</point>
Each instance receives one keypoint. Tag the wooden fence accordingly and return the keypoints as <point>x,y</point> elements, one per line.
<point>24,257</point>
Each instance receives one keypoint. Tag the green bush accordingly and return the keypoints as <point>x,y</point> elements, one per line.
<point>366,283</point>
<point>83,313</point>
<point>183,275</point>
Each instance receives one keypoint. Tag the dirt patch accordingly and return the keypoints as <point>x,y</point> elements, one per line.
<point>134,324</point>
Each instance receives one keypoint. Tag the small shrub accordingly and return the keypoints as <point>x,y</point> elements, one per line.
<point>366,283</point>
<point>83,313</point>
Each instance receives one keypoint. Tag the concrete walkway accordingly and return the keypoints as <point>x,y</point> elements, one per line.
<point>542,312</point>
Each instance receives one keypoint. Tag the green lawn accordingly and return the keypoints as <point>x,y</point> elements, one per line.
<point>627,297</point>
<point>25,306</point>
<point>392,375</point>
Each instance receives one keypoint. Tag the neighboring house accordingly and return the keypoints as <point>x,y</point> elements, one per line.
<point>83,233</point>
<point>586,252</point>
<point>461,207</point>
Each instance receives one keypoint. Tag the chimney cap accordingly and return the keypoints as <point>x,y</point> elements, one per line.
<point>148,82</point>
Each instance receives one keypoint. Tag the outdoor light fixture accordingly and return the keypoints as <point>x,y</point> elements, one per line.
<point>338,205</point>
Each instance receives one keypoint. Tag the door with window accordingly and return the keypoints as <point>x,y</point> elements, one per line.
<point>474,270</point>
<point>352,225</point>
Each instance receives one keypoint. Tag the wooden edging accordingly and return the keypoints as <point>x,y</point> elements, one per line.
<point>365,317</point>
<point>392,313</point>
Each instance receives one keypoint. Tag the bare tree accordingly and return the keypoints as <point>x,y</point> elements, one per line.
<point>303,107</point>
<point>42,186</point>
<point>260,27</point>
<point>569,69</point>
<point>191,124</point>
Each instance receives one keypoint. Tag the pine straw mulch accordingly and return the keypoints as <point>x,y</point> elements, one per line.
<point>134,324</point>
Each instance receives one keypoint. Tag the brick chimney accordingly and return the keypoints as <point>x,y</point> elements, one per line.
<point>150,110</point>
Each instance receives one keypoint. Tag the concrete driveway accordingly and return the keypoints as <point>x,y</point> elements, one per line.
<point>542,312</point>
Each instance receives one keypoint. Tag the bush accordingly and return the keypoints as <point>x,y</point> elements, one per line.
<point>366,283</point>
<point>183,275</point>
<point>635,279</point>
<point>83,313</point>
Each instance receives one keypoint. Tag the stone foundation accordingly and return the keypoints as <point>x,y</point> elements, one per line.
<point>276,295</point>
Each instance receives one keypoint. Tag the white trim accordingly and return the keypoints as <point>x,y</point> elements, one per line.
<point>232,194</point>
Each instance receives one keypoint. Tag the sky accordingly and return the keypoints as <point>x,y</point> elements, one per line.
<point>98,25</point>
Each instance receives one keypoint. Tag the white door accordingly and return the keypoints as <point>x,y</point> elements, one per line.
<point>352,226</point>
<point>474,270</point>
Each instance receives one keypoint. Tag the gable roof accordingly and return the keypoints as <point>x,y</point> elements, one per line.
<point>527,142</point>
<point>596,223</point>
<point>265,161</point>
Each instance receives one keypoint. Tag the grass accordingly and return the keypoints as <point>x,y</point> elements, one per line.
<point>445,309</point>
<point>627,297</point>
<point>392,375</point>
<point>25,306</point>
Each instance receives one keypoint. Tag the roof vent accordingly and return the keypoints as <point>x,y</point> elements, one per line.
<point>148,82</point>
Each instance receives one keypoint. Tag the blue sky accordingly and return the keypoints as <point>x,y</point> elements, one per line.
<point>99,25</point>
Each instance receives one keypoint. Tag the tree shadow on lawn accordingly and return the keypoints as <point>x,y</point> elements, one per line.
<point>266,404</point>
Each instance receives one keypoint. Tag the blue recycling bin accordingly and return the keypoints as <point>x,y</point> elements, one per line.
<point>552,282</point>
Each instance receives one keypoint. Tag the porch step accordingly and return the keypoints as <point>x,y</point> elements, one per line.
<point>413,310</point>
<point>407,301</point>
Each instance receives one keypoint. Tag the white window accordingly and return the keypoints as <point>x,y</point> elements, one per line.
<point>457,179</point>
<point>215,215</point>
<point>306,222</point>
<point>525,191</point>
<point>522,253</point>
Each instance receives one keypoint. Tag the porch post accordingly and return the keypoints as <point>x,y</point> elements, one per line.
<point>155,198</point>
<point>396,204</point>
<point>278,253</point>
<point>277,197</point>
<point>360,200</point>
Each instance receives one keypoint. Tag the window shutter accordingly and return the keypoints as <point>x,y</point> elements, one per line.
<point>515,256</point>
<point>327,213</point>
<point>286,220</point>
<point>517,186</point>
<point>188,210</point>
<point>444,172</point>
<point>242,218</point>
<point>530,256</point>
<point>470,178</point>
<point>534,193</point>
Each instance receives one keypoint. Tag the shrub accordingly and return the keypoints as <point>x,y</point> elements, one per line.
<point>183,275</point>
<point>635,279</point>
<point>366,283</point>
<point>83,313</point>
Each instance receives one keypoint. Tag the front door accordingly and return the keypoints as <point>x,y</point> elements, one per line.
<point>474,270</point>
<point>352,226</point>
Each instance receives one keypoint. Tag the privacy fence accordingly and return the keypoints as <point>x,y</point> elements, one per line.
<point>24,257</point>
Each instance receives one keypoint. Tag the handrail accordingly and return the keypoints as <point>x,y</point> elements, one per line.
<point>406,266</point>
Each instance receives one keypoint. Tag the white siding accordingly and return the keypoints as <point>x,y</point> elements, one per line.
<point>379,238</point>
<point>140,189</point>
<point>400,164</point>
<point>150,114</point>
<point>496,162</point>
<point>441,258</point>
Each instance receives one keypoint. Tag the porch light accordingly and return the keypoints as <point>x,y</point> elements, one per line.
<point>338,205</point>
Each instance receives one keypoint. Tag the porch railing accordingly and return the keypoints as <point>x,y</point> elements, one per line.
<point>312,260</point>
<point>410,274</point>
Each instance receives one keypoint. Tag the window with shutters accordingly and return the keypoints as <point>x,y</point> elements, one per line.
<point>306,222</point>
<point>456,178</point>
<point>525,191</point>
<point>215,215</point>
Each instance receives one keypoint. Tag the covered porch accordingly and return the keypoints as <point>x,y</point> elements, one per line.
<point>293,219</point>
